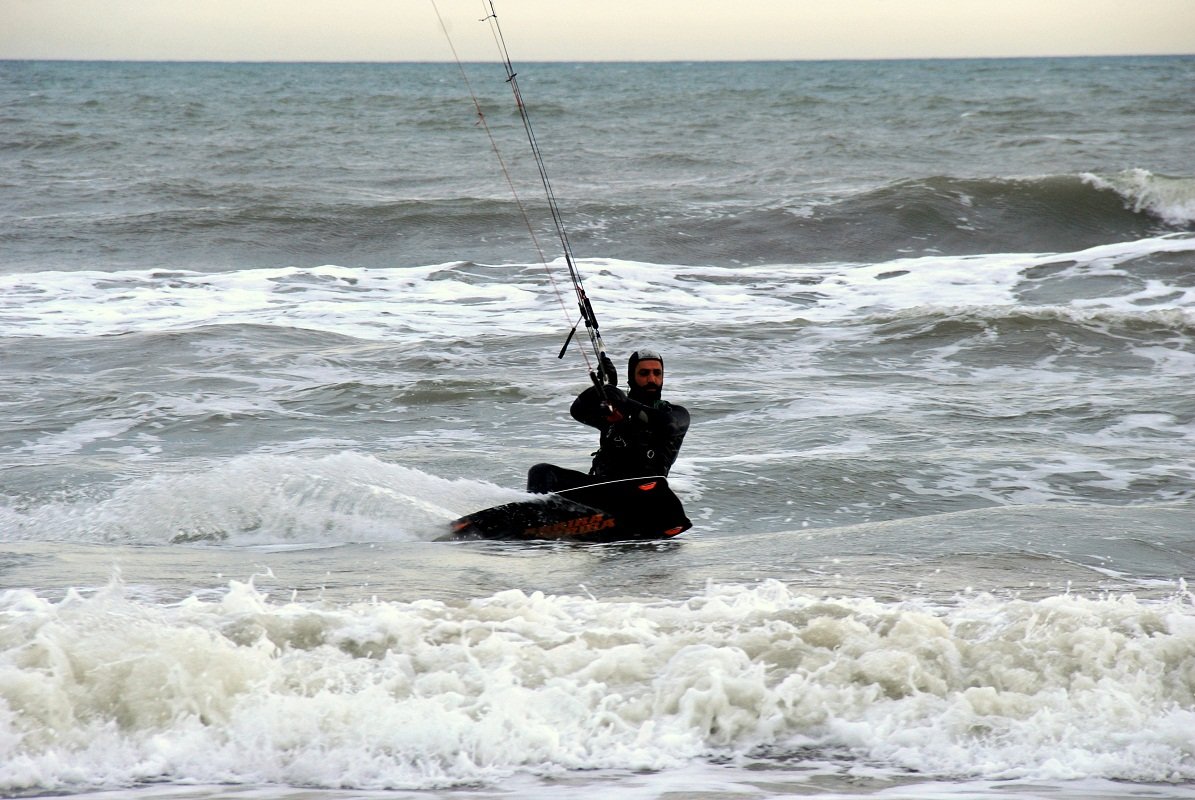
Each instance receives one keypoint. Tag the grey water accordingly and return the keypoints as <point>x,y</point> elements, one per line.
<point>266,328</point>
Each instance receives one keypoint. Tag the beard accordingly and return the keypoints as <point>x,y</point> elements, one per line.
<point>646,394</point>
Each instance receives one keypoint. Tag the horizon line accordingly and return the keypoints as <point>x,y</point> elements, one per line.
<point>126,60</point>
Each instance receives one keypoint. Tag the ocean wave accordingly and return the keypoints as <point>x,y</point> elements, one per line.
<point>1170,199</point>
<point>966,215</point>
<point>1135,325</point>
<point>450,301</point>
<point>107,688</point>
<point>936,215</point>
<point>258,499</point>
<point>200,222</point>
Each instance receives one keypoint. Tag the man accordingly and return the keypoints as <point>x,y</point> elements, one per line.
<point>640,432</point>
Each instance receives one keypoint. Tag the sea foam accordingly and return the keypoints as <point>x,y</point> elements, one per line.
<point>105,689</point>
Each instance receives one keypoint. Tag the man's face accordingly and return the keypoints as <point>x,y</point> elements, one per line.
<point>649,377</point>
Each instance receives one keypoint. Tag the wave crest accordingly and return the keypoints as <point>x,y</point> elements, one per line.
<point>1170,199</point>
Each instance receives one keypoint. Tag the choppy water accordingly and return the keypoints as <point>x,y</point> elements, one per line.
<point>266,328</point>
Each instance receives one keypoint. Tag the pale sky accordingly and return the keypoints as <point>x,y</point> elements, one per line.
<point>600,30</point>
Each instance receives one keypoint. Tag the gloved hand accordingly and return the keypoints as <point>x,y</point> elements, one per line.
<point>609,374</point>
<point>614,400</point>
<point>614,396</point>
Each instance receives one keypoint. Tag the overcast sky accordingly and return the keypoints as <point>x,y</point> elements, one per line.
<point>407,30</point>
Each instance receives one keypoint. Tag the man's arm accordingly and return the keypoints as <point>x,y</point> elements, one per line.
<point>599,409</point>
<point>666,418</point>
<point>596,407</point>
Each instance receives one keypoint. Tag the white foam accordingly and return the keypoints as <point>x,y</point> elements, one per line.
<point>263,499</point>
<point>77,436</point>
<point>428,304</point>
<point>111,690</point>
<point>1170,199</point>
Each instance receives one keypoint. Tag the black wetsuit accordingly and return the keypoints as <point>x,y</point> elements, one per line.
<point>637,439</point>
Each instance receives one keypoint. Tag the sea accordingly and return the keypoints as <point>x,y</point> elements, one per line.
<point>266,329</point>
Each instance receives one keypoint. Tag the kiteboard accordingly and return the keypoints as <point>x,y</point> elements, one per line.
<point>622,510</point>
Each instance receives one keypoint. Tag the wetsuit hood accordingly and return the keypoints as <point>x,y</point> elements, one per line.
<point>642,354</point>
<point>636,393</point>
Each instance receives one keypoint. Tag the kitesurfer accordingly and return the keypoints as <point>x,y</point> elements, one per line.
<point>641,433</point>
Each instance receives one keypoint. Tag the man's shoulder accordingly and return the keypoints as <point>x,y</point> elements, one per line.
<point>678,414</point>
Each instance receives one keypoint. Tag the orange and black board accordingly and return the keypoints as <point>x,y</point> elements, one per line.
<point>623,510</point>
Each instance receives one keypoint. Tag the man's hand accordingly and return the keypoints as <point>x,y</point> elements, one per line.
<point>609,374</point>
<point>613,404</point>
